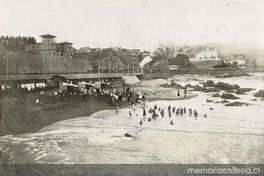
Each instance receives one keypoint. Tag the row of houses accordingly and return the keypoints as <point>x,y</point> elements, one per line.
<point>112,60</point>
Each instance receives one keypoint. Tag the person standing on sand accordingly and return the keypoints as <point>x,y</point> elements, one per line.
<point>130,114</point>
<point>181,111</point>
<point>162,113</point>
<point>169,113</point>
<point>190,112</point>
<point>144,112</point>
<point>178,93</point>
<point>195,113</point>
<point>141,122</point>
<point>117,108</point>
<point>185,93</point>
<point>177,112</point>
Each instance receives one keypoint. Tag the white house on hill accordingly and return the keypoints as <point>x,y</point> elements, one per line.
<point>206,54</point>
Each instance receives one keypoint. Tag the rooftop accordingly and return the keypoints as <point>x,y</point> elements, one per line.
<point>47,36</point>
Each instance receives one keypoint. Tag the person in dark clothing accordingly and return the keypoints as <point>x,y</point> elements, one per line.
<point>195,113</point>
<point>181,111</point>
<point>162,113</point>
<point>177,112</point>
<point>178,93</point>
<point>144,112</point>
<point>171,122</point>
<point>173,109</point>
<point>128,98</point>
<point>169,113</point>
<point>184,110</point>
<point>190,112</point>
<point>141,122</point>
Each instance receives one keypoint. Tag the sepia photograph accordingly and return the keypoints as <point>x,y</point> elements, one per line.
<point>131,87</point>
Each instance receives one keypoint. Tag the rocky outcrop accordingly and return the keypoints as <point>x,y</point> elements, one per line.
<point>229,96</point>
<point>216,95</point>
<point>209,83</point>
<point>237,103</point>
<point>226,86</point>
<point>242,91</point>
<point>259,94</point>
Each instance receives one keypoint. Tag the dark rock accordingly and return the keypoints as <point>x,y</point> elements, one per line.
<point>203,89</point>
<point>229,96</point>
<point>216,95</point>
<point>178,86</point>
<point>128,135</point>
<point>224,101</point>
<point>226,86</point>
<point>173,84</point>
<point>259,94</point>
<point>208,100</point>
<point>237,103</point>
<point>166,85</point>
<point>209,83</point>
<point>242,91</point>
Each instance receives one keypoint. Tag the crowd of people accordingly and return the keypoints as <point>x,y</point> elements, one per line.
<point>155,112</point>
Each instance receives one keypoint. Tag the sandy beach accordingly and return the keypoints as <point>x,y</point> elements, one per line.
<point>227,135</point>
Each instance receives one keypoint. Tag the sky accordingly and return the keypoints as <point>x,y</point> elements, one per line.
<point>144,24</point>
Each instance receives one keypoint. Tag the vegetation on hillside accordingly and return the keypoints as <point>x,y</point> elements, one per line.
<point>17,43</point>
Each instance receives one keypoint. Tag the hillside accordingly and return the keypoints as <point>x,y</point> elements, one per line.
<point>228,52</point>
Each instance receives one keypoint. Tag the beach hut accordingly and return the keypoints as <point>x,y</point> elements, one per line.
<point>85,85</point>
<point>67,87</point>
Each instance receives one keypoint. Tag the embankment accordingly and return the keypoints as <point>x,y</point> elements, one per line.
<point>21,114</point>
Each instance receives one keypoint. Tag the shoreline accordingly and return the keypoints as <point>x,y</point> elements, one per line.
<point>31,118</point>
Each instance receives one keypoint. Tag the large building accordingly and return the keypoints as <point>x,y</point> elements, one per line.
<point>206,54</point>
<point>48,46</point>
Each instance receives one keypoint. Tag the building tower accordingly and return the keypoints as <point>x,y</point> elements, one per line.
<point>48,44</point>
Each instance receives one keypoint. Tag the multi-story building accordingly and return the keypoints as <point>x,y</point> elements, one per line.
<point>48,46</point>
<point>206,54</point>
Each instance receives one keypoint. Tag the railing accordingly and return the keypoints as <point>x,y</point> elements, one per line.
<point>38,72</point>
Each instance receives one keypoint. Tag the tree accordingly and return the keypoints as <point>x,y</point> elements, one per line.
<point>181,60</point>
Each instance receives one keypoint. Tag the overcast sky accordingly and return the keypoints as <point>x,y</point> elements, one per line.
<point>136,23</point>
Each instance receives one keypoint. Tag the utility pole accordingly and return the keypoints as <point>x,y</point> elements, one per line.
<point>98,69</point>
<point>71,64</point>
<point>86,65</point>
<point>7,74</point>
<point>44,64</point>
<point>109,71</point>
